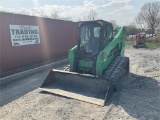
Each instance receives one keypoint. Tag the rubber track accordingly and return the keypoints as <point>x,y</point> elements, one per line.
<point>114,72</point>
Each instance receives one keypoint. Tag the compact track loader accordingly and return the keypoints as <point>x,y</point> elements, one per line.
<point>97,65</point>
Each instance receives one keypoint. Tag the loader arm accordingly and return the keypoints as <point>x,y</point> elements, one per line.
<point>113,49</point>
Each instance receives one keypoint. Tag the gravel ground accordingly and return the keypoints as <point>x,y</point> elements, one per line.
<point>139,98</point>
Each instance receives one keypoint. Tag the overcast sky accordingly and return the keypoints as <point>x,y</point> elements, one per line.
<point>123,11</point>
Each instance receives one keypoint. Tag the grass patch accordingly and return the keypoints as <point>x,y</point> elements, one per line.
<point>148,44</point>
<point>152,45</point>
<point>129,42</point>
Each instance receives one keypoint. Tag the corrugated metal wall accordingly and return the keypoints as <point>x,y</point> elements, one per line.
<point>56,38</point>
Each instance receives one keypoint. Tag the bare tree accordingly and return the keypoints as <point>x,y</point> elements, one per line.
<point>158,29</point>
<point>84,18</point>
<point>150,15</point>
<point>44,14</point>
<point>131,30</point>
<point>92,15</point>
<point>114,23</point>
<point>140,22</point>
<point>55,15</point>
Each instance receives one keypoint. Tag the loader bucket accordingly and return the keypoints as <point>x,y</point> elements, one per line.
<point>82,87</point>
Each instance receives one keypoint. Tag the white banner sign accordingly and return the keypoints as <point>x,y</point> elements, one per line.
<point>24,35</point>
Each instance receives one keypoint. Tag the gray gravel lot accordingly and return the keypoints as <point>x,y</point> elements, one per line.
<point>139,98</point>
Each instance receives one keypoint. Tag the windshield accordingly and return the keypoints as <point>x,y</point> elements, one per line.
<point>89,38</point>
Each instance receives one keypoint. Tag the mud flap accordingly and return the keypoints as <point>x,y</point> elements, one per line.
<point>82,87</point>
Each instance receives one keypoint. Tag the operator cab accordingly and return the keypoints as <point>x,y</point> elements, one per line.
<point>93,37</point>
<point>143,36</point>
<point>89,39</point>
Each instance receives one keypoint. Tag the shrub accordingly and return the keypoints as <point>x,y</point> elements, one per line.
<point>154,39</point>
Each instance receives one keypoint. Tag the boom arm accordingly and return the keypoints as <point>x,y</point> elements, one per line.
<point>106,56</point>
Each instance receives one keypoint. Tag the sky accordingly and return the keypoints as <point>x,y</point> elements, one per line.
<point>122,11</point>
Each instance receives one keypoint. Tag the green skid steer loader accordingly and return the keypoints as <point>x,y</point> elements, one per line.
<point>97,65</point>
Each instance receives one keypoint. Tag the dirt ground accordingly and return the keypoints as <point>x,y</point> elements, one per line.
<point>139,98</point>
